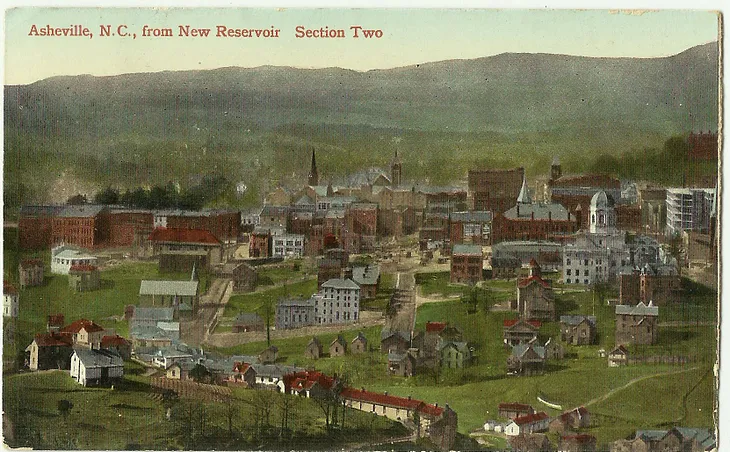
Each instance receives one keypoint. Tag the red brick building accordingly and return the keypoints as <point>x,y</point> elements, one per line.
<point>260,243</point>
<point>628,217</point>
<point>361,224</point>
<point>35,226</point>
<point>126,225</point>
<point>86,226</point>
<point>660,286</point>
<point>703,146</point>
<point>466,264</point>
<point>573,191</point>
<point>224,224</point>
<point>534,222</point>
<point>494,190</point>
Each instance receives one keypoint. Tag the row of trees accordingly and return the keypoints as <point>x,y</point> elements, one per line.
<point>169,196</point>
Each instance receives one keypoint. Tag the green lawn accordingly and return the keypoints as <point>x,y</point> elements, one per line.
<point>273,274</point>
<point>120,287</point>
<point>385,291</point>
<point>129,416</point>
<point>259,300</point>
<point>437,283</point>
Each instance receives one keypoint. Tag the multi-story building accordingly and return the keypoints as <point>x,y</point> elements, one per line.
<point>181,249</point>
<point>576,191</point>
<point>337,302</point>
<point>470,227</point>
<point>84,225</point>
<point>295,313</point>
<point>578,329</point>
<point>494,190</point>
<point>535,298</point>
<point>527,221</point>
<point>288,245</point>
<point>637,324</point>
<point>30,272</point>
<point>548,254</point>
<point>260,243</point>
<point>659,284</point>
<point>10,300</point>
<point>689,209</point>
<point>35,226</point>
<point>466,264</point>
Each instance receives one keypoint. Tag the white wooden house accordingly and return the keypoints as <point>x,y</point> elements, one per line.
<point>89,366</point>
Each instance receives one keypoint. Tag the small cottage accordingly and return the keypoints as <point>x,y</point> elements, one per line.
<point>401,364</point>
<point>338,347</point>
<point>359,344</point>
<point>248,321</point>
<point>532,423</point>
<point>313,350</point>
<point>269,355</point>
<point>89,366</point>
<point>619,356</point>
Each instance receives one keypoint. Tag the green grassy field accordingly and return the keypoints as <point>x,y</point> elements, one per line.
<point>129,416</point>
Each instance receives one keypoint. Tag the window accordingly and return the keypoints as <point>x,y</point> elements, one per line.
<point>577,272</point>
<point>568,281</point>
<point>568,272</point>
<point>585,281</point>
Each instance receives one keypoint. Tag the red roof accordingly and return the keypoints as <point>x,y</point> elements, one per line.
<point>515,407</point>
<point>76,326</point>
<point>108,341</point>
<point>390,400</point>
<point>241,367</point>
<point>9,288</point>
<point>306,379</point>
<point>535,323</point>
<point>25,263</point>
<point>530,418</point>
<point>533,263</point>
<point>527,281</point>
<point>181,235</point>
<point>435,327</point>
<point>53,339</point>
<point>56,319</point>
<point>82,268</point>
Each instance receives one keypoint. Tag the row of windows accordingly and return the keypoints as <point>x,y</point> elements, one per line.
<point>577,272</point>
<point>577,281</point>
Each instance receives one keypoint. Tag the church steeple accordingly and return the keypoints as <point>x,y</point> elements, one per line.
<point>396,170</point>
<point>313,174</point>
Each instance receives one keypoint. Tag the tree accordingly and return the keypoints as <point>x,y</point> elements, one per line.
<point>231,409</point>
<point>471,298</point>
<point>77,200</point>
<point>64,407</point>
<point>676,250</point>
<point>199,373</point>
<point>107,196</point>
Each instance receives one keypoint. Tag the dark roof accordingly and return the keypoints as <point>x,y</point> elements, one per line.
<point>577,319</point>
<point>53,339</point>
<point>541,212</point>
<point>56,319</point>
<point>181,235</point>
<point>390,400</point>
<point>82,211</point>
<point>98,358</point>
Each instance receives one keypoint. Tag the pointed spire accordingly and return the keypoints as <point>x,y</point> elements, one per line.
<point>313,174</point>
<point>524,197</point>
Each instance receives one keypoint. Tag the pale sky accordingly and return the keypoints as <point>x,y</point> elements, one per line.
<point>409,37</point>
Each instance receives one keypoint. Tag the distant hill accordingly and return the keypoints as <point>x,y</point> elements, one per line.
<point>504,93</point>
<point>147,127</point>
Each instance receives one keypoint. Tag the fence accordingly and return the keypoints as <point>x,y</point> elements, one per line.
<point>191,390</point>
<point>676,360</point>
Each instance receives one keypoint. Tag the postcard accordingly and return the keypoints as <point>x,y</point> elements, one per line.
<point>361,229</point>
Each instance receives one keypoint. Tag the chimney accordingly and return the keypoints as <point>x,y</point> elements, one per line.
<point>409,397</point>
<point>550,215</point>
<point>363,389</point>
<point>386,393</point>
<point>533,215</point>
<point>518,209</point>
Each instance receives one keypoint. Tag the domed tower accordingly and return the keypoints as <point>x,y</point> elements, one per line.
<point>313,174</point>
<point>396,170</point>
<point>602,215</point>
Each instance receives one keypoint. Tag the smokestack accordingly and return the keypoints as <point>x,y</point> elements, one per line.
<point>550,215</point>
<point>518,209</point>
